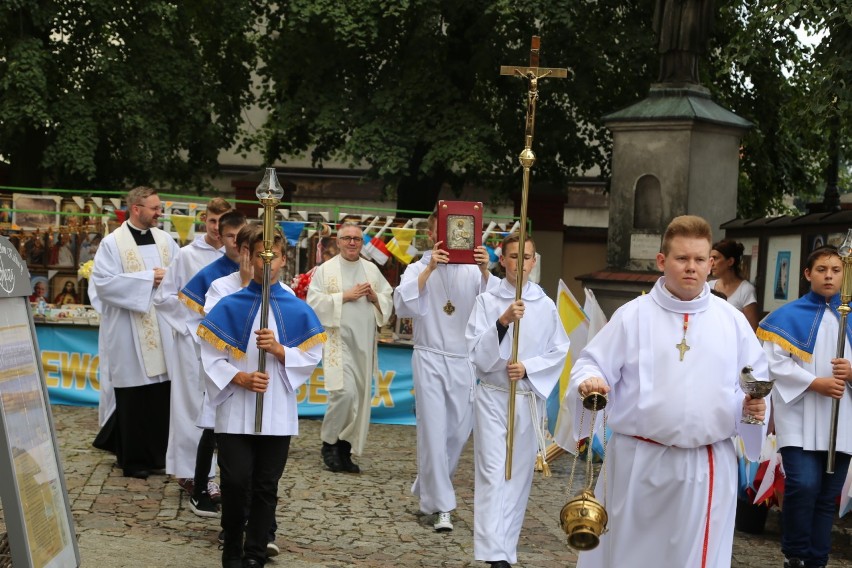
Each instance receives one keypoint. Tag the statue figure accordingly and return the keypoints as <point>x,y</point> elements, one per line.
<point>683,28</point>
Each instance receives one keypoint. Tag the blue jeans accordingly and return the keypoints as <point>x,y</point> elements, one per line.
<point>809,508</point>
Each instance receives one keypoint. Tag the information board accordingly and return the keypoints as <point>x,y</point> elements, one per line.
<point>35,500</point>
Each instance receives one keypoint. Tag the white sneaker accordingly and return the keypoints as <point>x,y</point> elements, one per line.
<point>443,523</point>
<point>272,549</point>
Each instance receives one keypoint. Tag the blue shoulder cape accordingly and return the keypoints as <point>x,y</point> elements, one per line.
<point>193,294</point>
<point>794,326</point>
<point>228,326</point>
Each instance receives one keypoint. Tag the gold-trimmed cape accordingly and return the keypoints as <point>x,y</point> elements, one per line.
<point>794,326</point>
<point>228,327</point>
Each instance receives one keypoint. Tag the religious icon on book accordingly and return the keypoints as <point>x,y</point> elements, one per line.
<point>460,229</point>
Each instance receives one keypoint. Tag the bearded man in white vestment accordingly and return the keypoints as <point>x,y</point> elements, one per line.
<point>670,363</point>
<point>184,362</point>
<point>351,298</point>
<point>128,268</point>
<point>499,505</point>
<point>440,296</point>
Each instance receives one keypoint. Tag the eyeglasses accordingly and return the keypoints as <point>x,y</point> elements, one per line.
<point>152,208</point>
<point>355,240</point>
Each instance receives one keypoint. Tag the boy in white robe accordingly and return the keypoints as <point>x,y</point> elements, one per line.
<point>128,268</point>
<point>251,463</point>
<point>440,298</point>
<point>184,362</point>
<point>500,504</point>
<point>670,362</point>
<point>808,375</point>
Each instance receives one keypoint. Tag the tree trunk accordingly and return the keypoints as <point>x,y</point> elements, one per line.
<point>25,163</point>
<point>417,194</point>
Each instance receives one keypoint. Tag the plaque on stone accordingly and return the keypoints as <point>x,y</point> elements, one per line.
<point>645,246</point>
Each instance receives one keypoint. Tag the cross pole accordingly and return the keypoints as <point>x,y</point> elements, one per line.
<point>533,73</point>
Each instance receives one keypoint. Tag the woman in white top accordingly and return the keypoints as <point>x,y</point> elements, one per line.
<point>727,258</point>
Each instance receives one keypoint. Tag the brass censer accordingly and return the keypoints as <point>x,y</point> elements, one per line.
<point>584,518</point>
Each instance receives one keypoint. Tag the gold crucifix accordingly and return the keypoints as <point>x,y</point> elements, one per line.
<point>527,158</point>
<point>682,347</point>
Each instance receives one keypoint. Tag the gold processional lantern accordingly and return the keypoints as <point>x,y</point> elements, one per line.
<point>843,309</point>
<point>269,192</point>
<point>584,518</point>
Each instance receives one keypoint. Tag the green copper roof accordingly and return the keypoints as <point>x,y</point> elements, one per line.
<point>685,103</point>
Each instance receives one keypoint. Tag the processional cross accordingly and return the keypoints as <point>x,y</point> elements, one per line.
<point>532,74</point>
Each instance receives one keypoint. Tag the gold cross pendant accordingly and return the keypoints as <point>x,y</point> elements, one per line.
<point>682,347</point>
<point>449,308</point>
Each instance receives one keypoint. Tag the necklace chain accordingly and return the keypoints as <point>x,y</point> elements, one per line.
<point>448,308</point>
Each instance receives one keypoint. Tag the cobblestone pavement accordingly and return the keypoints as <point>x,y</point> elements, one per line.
<point>325,519</point>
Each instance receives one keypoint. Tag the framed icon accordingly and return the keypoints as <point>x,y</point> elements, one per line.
<point>459,228</point>
<point>405,328</point>
<point>36,211</point>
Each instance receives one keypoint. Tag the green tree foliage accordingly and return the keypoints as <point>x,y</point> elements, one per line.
<point>791,91</point>
<point>101,93</point>
<point>412,88</point>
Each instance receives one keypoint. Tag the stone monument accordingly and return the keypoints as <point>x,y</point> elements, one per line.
<point>675,152</point>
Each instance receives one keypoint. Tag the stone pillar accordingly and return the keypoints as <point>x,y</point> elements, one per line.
<point>674,153</point>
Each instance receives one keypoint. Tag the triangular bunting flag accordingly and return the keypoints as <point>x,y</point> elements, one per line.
<point>292,231</point>
<point>183,225</point>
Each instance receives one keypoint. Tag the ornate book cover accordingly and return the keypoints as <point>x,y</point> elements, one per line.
<point>460,228</point>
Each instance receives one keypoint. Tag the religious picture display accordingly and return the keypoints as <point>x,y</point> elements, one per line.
<point>782,275</point>
<point>750,258</point>
<point>35,249</point>
<point>70,213</point>
<point>35,211</point>
<point>94,210</point>
<point>64,289</point>
<point>5,210</point>
<point>405,328</point>
<point>89,244</point>
<point>421,239</point>
<point>40,287</point>
<point>200,218</point>
<point>63,249</point>
<point>459,228</point>
<point>782,281</point>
